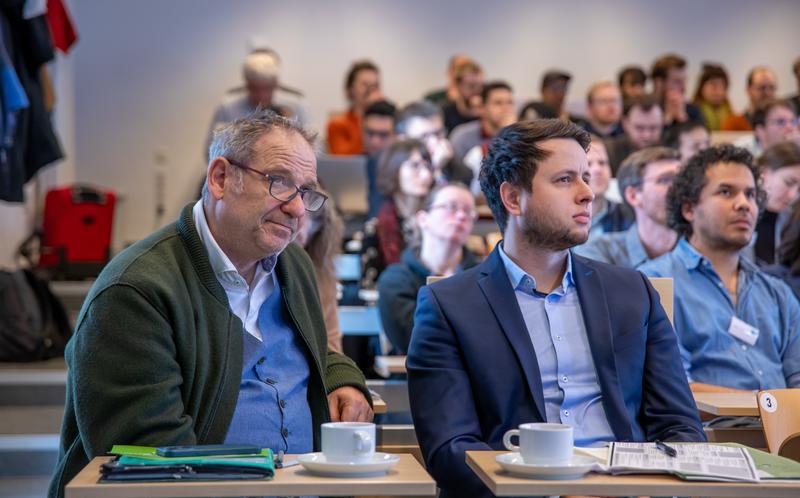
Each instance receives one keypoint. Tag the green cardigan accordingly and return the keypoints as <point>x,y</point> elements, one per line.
<point>156,358</point>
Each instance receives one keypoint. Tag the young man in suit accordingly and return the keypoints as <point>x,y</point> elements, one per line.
<point>537,334</point>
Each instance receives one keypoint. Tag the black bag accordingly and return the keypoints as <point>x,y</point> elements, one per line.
<point>33,323</point>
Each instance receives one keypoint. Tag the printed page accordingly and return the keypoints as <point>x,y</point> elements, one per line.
<point>693,461</point>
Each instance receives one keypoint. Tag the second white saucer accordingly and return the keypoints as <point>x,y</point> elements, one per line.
<point>576,468</point>
<point>316,463</point>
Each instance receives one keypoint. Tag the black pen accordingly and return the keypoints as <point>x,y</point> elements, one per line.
<point>668,450</point>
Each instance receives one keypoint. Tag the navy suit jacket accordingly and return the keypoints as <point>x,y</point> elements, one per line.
<point>473,374</point>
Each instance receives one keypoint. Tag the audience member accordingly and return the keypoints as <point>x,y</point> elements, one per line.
<point>642,121</point>
<point>555,84</point>
<point>669,86</point>
<point>444,222</point>
<point>603,110</point>
<point>362,86</point>
<point>774,121</point>
<point>497,111</point>
<point>423,121</point>
<point>711,96</point>
<point>470,140</point>
<point>688,139</point>
<point>781,180</point>
<point>632,81</point>
<point>405,176</point>
<point>644,179</point>
<point>465,106</point>
<point>203,301</point>
<point>526,335</point>
<point>450,92</point>
<point>795,100</point>
<point>762,85</point>
<point>788,265</point>
<point>745,336</point>
<point>380,119</point>
<point>607,216</point>
<point>320,234</point>
<point>262,90</point>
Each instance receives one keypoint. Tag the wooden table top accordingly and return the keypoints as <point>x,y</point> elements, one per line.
<point>388,365</point>
<point>727,404</point>
<point>485,466</point>
<point>404,479</point>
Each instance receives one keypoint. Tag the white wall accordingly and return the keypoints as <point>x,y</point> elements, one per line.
<point>148,73</point>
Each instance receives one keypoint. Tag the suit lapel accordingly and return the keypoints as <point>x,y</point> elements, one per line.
<point>499,294</point>
<point>594,308</point>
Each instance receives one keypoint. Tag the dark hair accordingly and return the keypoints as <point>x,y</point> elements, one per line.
<point>780,155</point>
<point>382,108</point>
<point>789,248</point>
<point>392,159</point>
<point>492,86</point>
<point>764,108</point>
<point>645,101</point>
<point>709,72</point>
<point>325,243</point>
<point>515,154</point>
<point>634,73</point>
<point>355,68</point>
<point>424,109</point>
<point>796,66</point>
<point>672,136</point>
<point>692,179</point>
<point>663,64</point>
<point>631,171</point>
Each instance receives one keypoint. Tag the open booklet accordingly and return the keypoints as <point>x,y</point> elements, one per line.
<point>694,462</point>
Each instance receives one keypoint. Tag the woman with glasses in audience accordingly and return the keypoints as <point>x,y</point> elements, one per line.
<point>711,95</point>
<point>320,234</point>
<point>445,223</point>
<point>781,179</point>
<point>405,176</point>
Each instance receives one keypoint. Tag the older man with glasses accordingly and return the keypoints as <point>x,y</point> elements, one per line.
<point>210,330</point>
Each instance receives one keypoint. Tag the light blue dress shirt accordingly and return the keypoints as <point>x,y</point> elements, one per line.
<point>569,379</point>
<point>703,313</point>
<point>616,248</point>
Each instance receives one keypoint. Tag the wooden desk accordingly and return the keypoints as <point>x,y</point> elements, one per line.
<point>379,406</point>
<point>406,478</point>
<point>501,484</point>
<point>388,365</point>
<point>727,404</point>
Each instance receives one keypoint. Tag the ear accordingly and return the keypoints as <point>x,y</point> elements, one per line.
<point>216,177</point>
<point>687,210</point>
<point>631,195</point>
<point>511,196</point>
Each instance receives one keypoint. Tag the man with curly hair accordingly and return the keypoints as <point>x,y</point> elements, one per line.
<point>737,327</point>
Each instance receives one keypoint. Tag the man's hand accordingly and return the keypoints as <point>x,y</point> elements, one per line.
<point>348,404</point>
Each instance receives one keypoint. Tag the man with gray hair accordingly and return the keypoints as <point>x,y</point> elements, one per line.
<point>210,330</point>
<point>262,90</point>
<point>644,180</point>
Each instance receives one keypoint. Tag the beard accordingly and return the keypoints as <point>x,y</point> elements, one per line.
<point>539,230</point>
<point>719,242</point>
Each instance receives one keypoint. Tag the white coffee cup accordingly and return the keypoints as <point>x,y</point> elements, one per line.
<point>542,444</point>
<point>348,441</point>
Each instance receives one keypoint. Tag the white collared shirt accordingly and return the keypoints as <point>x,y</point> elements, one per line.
<point>245,301</point>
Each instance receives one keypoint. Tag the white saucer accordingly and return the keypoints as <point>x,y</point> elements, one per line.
<point>576,468</point>
<point>316,463</point>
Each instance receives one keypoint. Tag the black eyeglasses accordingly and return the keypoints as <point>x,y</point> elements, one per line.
<point>284,190</point>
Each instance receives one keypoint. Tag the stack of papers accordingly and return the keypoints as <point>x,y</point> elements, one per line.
<point>140,463</point>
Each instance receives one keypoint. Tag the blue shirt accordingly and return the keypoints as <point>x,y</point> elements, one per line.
<point>703,313</point>
<point>569,380</point>
<point>616,248</point>
<point>272,410</point>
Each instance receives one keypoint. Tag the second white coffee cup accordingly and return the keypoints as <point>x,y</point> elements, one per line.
<point>541,443</point>
<point>348,441</point>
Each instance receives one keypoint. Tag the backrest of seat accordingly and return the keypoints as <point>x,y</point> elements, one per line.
<point>665,288</point>
<point>778,409</point>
